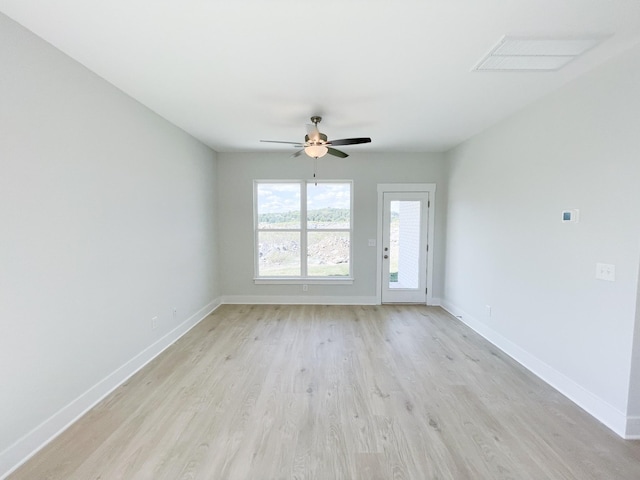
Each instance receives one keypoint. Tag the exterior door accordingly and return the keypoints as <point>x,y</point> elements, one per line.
<point>404,247</point>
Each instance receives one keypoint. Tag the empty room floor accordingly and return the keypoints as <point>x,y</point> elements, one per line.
<point>334,392</point>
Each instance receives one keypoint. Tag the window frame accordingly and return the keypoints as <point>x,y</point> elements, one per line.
<point>303,278</point>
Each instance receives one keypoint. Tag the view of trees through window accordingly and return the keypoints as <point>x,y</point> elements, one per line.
<point>303,229</point>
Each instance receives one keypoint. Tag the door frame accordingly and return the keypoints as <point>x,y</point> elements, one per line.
<point>403,188</point>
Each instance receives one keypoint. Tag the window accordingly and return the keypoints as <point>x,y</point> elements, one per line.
<point>303,230</point>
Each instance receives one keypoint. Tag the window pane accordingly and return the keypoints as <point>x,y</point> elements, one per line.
<point>279,254</point>
<point>278,205</point>
<point>328,205</point>
<point>328,254</point>
<point>405,244</point>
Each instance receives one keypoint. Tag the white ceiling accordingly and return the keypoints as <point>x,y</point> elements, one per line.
<point>234,72</point>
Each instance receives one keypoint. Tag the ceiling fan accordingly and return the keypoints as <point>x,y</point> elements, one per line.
<point>317,145</point>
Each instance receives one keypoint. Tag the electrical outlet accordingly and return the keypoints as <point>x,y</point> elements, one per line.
<point>174,312</point>
<point>154,323</point>
<point>488,307</point>
<point>305,288</point>
<point>606,271</point>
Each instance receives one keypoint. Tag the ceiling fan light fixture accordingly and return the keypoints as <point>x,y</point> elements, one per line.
<point>316,151</point>
<point>316,144</point>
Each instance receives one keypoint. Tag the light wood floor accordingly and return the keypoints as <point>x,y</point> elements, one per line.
<point>334,392</point>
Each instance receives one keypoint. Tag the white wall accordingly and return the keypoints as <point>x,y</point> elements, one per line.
<point>506,247</point>
<point>107,218</point>
<point>365,169</point>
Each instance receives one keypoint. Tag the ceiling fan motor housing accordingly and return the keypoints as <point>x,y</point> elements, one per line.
<point>321,140</point>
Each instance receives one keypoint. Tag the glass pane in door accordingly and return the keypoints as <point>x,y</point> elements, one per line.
<point>404,247</point>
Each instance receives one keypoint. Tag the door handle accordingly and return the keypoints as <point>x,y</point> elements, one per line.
<point>386,256</point>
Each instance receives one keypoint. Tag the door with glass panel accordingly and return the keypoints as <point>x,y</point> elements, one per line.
<point>404,247</point>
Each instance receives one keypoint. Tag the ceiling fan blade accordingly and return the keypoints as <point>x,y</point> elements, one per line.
<point>297,154</point>
<point>277,141</point>
<point>350,141</point>
<point>336,153</point>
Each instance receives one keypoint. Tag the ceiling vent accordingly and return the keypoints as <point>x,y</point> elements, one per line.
<point>528,54</point>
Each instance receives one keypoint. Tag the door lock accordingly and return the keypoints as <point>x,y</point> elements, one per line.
<point>386,256</point>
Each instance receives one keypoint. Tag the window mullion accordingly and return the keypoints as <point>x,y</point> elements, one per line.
<point>303,229</point>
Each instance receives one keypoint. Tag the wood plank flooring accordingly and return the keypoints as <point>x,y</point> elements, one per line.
<point>334,392</point>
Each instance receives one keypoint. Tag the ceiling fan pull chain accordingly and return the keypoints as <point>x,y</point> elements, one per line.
<point>315,167</point>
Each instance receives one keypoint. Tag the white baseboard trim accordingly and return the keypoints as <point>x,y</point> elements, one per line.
<point>591,403</point>
<point>309,300</point>
<point>633,428</point>
<point>435,302</point>
<point>27,446</point>
<point>299,300</point>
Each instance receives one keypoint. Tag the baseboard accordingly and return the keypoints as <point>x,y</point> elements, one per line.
<point>309,300</point>
<point>591,403</point>
<point>633,428</point>
<point>299,300</point>
<point>434,302</point>
<point>27,446</point>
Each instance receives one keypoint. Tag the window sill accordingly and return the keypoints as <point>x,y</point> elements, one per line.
<point>303,281</point>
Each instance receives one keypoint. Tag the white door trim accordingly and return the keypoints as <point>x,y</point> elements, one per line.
<point>407,187</point>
